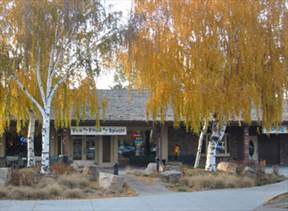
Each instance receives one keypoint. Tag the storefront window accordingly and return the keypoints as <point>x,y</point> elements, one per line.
<point>136,143</point>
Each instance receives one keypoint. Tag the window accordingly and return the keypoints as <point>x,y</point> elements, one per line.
<point>222,147</point>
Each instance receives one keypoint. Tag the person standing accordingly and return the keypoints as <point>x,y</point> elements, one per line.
<point>177,150</point>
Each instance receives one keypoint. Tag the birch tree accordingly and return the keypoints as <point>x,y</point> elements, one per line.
<point>209,57</point>
<point>56,49</point>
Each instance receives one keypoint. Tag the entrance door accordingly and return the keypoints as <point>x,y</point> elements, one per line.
<point>90,148</point>
<point>106,149</point>
<point>77,148</point>
<point>253,148</point>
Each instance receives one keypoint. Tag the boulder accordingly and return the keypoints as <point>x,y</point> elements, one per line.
<point>227,167</point>
<point>248,171</point>
<point>91,172</point>
<point>111,182</point>
<point>5,175</point>
<point>76,167</point>
<point>151,169</point>
<point>171,176</point>
<point>275,170</point>
<point>177,166</point>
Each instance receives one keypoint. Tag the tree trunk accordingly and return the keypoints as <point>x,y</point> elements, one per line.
<point>216,136</point>
<point>45,142</point>
<point>200,143</point>
<point>30,140</point>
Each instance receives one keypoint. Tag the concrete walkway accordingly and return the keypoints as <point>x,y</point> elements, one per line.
<point>283,170</point>
<point>228,199</point>
<point>144,189</point>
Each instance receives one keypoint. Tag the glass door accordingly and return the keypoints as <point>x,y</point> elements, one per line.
<point>90,148</point>
<point>106,149</point>
<point>77,149</point>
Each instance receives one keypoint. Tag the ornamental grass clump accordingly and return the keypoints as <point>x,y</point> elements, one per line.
<point>206,182</point>
<point>73,181</point>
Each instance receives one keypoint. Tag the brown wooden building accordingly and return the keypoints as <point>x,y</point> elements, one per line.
<point>127,136</point>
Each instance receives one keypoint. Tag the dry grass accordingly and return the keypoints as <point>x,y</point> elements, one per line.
<point>73,193</point>
<point>73,181</point>
<point>264,179</point>
<point>25,177</point>
<point>206,182</point>
<point>26,193</point>
<point>62,168</point>
<point>199,179</point>
<point>282,198</point>
<point>28,184</point>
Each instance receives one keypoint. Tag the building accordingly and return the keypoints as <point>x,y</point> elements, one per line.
<point>128,137</point>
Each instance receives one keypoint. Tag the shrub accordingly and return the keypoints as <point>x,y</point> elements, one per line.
<point>46,182</point>
<point>40,194</point>
<point>194,172</point>
<point>25,177</point>
<point>3,193</point>
<point>20,193</point>
<point>263,179</point>
<point>73,193</point>
<point>73,181</point>
<point>62,168</point>
<point>203,182</point>
<point>53,190</point>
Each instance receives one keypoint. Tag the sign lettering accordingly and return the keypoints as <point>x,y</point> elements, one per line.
<point>101,131</point>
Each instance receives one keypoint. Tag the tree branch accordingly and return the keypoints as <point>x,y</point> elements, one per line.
<point>21,86</point>
<point>38,75</point>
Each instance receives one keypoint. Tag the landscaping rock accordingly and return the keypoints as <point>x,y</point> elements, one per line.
<point>76,167</point>
<point>248,171</point>
<point>5,175</point>
<point>151,169</point>
<point>227,167</point>
<point>171,176</point>
<point>91,172</point>
<point>275,170</point>
<point>111,182</point>
<point>177,166</point>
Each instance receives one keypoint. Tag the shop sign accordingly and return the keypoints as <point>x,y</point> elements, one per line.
<point>276,130</point>
<point>101,131</point>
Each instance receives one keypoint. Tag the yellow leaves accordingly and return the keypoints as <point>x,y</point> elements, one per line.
<point>204,57</point>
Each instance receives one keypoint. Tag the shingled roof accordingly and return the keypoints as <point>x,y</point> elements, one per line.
<point>124,105</point>
<point>127,105</point>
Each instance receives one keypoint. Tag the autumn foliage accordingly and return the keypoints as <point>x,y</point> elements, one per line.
<point>210,56</point>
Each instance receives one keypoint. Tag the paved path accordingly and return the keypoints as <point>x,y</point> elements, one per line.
<point>230,200</point>
<point>283,170</point>
<point>144,189</point>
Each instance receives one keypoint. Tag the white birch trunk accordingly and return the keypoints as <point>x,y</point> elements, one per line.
<point>30,140</point>
<point>217,134</point>
<point>45,142</point>
<point>200,143</point>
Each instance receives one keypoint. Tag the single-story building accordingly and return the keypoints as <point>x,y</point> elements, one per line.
<point>128,137</point>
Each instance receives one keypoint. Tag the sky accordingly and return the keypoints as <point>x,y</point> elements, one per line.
<point>106,78</point>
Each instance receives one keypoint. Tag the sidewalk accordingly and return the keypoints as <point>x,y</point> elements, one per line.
<point>229,199</point>
<point>144,189</point>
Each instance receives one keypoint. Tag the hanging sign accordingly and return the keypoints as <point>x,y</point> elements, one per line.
<point>276,130</point>
<point>101,131</point>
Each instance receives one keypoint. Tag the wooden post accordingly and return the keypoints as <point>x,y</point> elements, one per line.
<point>246,145</point>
